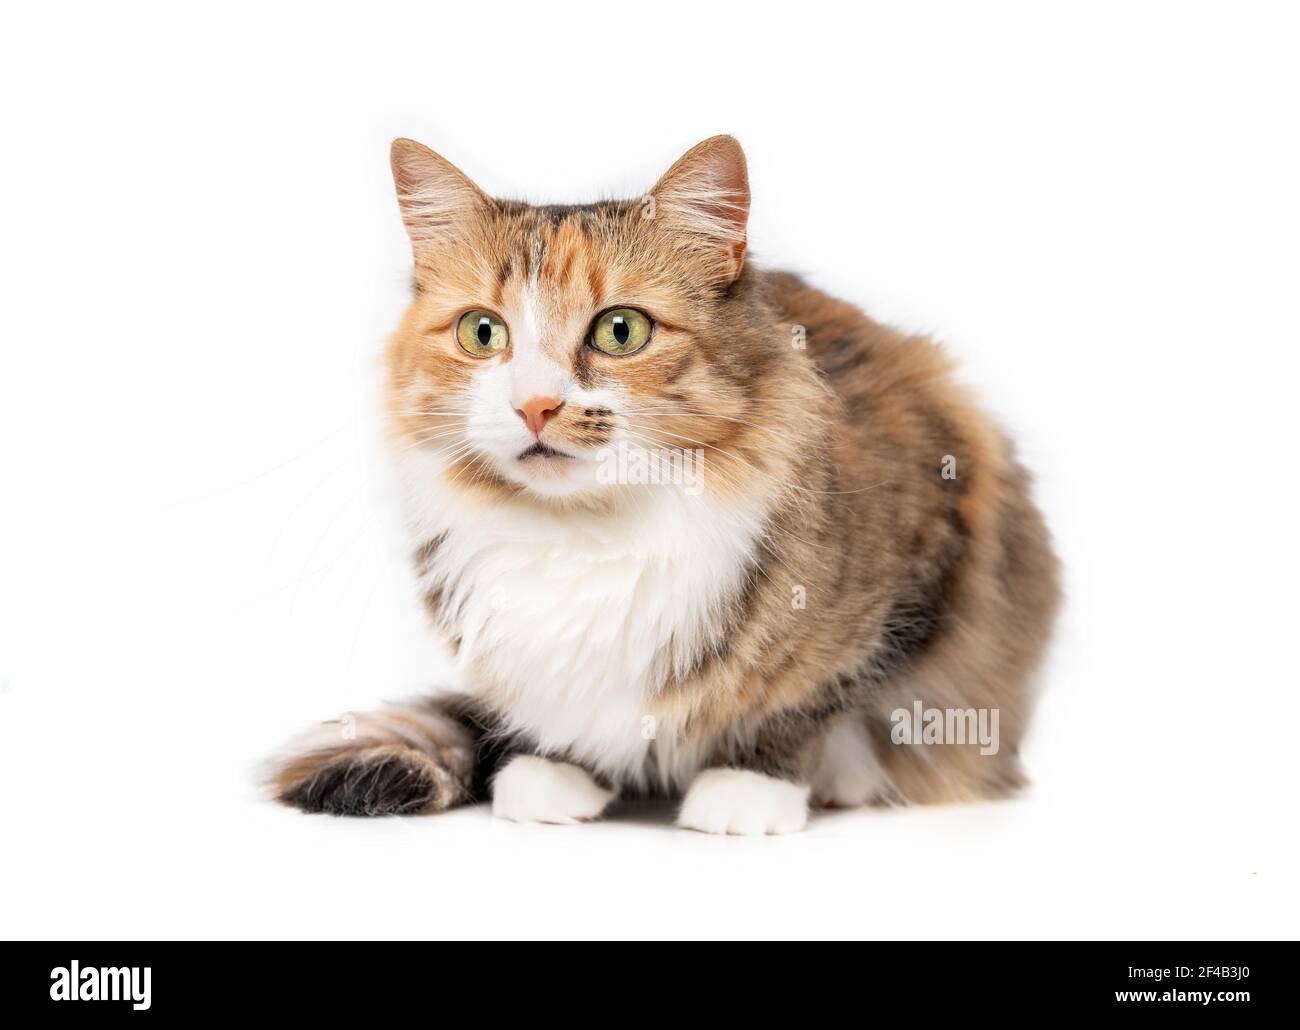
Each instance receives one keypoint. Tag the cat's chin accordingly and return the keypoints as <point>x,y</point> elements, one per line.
<point>554,477</point>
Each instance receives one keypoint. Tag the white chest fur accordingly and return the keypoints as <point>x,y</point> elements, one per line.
<point>574,620</point>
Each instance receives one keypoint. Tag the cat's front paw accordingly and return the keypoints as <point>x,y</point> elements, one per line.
<point>739,801</point>
<point>536,790</point>
<point>849,774</point>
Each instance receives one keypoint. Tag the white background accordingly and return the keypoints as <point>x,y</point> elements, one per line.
<point>1094,204</point>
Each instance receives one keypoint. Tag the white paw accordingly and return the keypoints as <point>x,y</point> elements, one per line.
<point>848,774</point>
<point>535,790</point>
<point>743,802</point>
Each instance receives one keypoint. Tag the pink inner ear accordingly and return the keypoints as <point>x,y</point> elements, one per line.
<point>737,259</point>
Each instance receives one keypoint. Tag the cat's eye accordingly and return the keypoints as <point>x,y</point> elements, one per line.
<point>620,331</point>
<point>481,334</point>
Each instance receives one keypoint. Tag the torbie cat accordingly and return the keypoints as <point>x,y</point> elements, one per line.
<point>843,535</point>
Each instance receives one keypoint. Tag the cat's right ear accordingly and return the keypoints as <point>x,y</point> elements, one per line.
<point>705,195</point>
<point>435,196</point>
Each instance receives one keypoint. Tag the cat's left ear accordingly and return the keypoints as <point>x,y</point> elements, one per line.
<point>706,194</point>
<point>435,196</point>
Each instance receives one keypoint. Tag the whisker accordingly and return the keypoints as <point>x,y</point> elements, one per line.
<point>792,486</point>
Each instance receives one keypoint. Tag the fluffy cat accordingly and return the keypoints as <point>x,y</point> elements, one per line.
<point>830,532</point>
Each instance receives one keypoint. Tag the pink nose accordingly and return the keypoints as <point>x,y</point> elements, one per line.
<point>537,412</point>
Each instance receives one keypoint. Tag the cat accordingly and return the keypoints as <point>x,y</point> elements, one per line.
<point>858,543</point>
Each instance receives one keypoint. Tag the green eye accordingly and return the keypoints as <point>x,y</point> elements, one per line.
<point>481,333</point>
<point>620,331</point>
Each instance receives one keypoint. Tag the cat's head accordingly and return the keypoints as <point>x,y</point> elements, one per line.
<point>543,342</point>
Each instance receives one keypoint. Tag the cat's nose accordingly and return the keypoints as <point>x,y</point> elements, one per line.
<point>538,411</point>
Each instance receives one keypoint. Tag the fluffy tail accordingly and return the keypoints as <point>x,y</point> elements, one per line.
<point>403,759</point>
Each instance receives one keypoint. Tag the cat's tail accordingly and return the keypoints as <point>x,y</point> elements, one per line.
<point>402,759</point>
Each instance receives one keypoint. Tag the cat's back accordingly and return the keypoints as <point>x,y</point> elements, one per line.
<point>902,415</point>
<point>859,357</point>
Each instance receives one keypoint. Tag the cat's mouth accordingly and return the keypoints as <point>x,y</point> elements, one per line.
<point>540,450</point>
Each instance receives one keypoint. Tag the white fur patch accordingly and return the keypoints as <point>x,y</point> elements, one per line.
<point>536,790</point>
<point>574,620</point>
<point>848,774</point>
<point>531,372</point>
<point>742,802</point>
